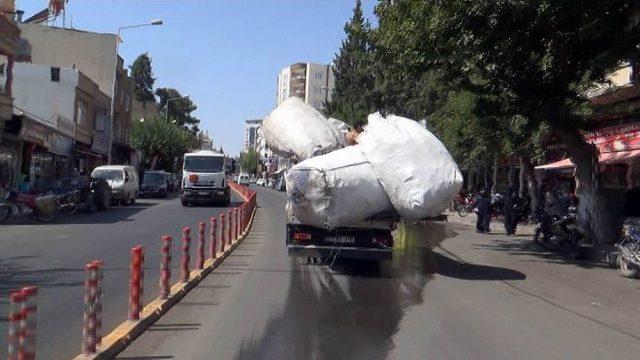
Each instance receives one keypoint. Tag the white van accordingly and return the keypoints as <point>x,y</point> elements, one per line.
<point>204,178</point>
<point>243,179</point>
<point>123,181</point>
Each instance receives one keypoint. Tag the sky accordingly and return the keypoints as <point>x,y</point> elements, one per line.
<point>224,54</point>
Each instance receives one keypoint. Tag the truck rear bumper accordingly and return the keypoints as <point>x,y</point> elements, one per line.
<point>340,252</point>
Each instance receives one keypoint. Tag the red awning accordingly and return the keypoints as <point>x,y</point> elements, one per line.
<point>605,158</point>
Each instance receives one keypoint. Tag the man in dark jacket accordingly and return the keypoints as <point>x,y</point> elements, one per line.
<point>483,206</point>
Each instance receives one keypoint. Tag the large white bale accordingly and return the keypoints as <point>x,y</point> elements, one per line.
<point>338,189</point>
<point>296,129</point>
<point>414,167</point>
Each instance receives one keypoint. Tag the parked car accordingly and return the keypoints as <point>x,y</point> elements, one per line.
<point>154,183</point>
<point>173,183</point>
<point>123,182</point>
<point>261,182</point>
<point>243,179</point>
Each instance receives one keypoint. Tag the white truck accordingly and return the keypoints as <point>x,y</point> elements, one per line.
<point>204,178</point>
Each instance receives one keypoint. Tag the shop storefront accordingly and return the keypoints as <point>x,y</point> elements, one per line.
<point>619,162</point>
<point>46,153</point>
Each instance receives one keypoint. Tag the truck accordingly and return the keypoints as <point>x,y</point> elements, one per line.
<point>204,178</point>
<point>370,239</point>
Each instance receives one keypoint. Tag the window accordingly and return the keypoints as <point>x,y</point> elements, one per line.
<point>2,69</point>
<point>81,113</point>
<point>55,74</point>
<point>100,120</point>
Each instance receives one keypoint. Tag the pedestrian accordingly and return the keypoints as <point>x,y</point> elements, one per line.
<point>483,209</point>
<point>509,212</point>
<point>25,185</point>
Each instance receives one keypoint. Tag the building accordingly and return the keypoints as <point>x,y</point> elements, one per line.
<point>314,83</point>
<point>143,110</point>
<point>62,118</point>
<point>94,54</point>
<point>9,141</point>
<point>250,134</point>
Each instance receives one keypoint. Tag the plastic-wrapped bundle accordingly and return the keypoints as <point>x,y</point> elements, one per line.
<point>338,189</point>
<point>415,169</point>
<point>296,129</point>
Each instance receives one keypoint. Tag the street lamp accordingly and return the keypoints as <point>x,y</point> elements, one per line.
<point>115,76</point>
<point>166,110</point>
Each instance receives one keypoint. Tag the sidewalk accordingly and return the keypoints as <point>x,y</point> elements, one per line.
<point>497,224</point>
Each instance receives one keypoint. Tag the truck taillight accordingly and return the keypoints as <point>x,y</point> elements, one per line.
<point>300,236</point>
<point>193,178</point>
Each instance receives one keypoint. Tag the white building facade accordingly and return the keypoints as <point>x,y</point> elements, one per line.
<point>313,83</point>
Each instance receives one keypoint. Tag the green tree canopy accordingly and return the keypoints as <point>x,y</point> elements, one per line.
<point>162,142</point>
<point>249,161</point>
<point>180,108</point>
<point>528,63</point>
<point>351,98</point>
<point>142,75</point>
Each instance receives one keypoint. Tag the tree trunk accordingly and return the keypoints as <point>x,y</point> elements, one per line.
<point>528,175</point>
<point>494,177</point>
<point>154,162</point>
<point>599,214</point>
<point>511,174</point>
<point>521,178</point>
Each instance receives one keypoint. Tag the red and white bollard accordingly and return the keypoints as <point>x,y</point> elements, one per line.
<point>202,227</point>
<point>165,267</point>
<point>100,277</point>
<point>213,237</point>
<point>89,329</point>
<point>136,282</point>
<point>223,241</point>
<point>230,227</point>
<point>28,322</point>
<point>238,222</point>
<point>186,256</point>
<point>15,351</point>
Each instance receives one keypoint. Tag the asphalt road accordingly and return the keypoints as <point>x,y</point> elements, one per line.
<point>473,297</point>
<point>52,256</point>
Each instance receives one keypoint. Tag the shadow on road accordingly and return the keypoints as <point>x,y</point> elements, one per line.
<point>461,270</point>
<point>113,215</point>
<point>352,309</point>
<point>524,246</point>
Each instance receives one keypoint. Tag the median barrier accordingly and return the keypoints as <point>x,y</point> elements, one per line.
<point>227,231</point>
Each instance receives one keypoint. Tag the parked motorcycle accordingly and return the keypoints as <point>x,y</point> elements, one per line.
<point>463,205</point>
<point>557,233</point>
<point>41,208</point>
<point>497,201</point>
<point>629,247</point>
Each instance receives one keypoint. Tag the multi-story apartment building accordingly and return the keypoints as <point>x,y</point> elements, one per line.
<point>9,141</point>
<point>94,54</point>
<point>250,134</point>
<point>313,83</point>
<point>63,118</point>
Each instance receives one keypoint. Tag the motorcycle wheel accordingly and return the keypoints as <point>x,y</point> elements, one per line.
<point>463,211</point>
<point>628,269</point>
<point>5,211</point>
<point>45,218</point>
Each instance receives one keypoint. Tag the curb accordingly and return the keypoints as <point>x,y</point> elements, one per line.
<point>125,333</point>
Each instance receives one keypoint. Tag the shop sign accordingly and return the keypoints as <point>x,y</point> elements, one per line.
<point>59,144</point>
<point>100,143</point>
<point>34,133</point>
<point>616,138</point>
<point>66,126</point>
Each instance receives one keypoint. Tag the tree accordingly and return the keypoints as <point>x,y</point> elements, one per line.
<point>351,99</point>
<point>162,142</point>
<point>249,161</point>
<point>180,109</point>
<point>531,60</point>
<point>142,75</point>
